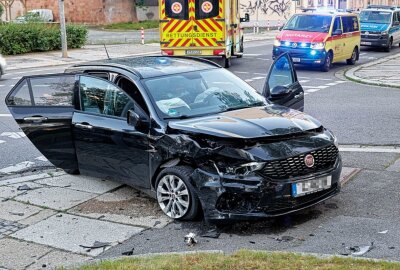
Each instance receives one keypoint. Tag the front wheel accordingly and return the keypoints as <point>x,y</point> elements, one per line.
<point>388,48</point>
<point>328,62</point>
<point>175,194</point>
<point>354,57</point>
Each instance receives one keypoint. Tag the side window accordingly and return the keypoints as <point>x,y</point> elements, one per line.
<point>177,9</point>
<point>129,87</point>
<point>103,75</point>
<point>102,97</point>
<point>53,91</point>
<point>206,9</point>
<point>281,73</point>
<point>20,96</point>
<point>350,24</point>
<point>337,25</point>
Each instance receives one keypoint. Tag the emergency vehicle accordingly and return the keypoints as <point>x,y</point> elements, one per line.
<point>201,28</point>
<point>320,39</point>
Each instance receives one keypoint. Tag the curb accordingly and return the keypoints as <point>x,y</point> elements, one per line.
<point>350,73</point>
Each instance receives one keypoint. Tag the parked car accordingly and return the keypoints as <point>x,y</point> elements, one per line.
<point>320,39</point>
<point>185,131</point>
<point>36,15</point>
<point>380,27</point>
<point>3,66</point>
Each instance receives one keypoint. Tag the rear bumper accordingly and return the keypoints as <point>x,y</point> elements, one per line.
<point>305,56</point>
<point>382,41</point>
<point>195,51</point>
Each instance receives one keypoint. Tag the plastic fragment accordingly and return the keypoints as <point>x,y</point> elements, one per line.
<point>190,239</point>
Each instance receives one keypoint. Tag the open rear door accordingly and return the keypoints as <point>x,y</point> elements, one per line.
<point>43,107</point>
<point>282,86</point>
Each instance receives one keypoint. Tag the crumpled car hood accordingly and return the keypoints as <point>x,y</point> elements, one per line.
<point>249,123</point>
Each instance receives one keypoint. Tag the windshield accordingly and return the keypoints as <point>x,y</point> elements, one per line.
<point>199,93</point>
<point>375,17</point>
<point>309,23</point>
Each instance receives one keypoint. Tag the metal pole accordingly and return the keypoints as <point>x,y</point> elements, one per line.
<point>64,45</point>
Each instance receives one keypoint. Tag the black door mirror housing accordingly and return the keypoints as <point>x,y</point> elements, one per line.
<point>133,118</point>
<point>279,91</point>
<point>280,28</point>
<point>246,18</point>
<point>337,32</point>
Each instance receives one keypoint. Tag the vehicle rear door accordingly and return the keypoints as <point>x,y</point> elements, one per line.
<point>209,23</point>
<point>282,86</point>
<point>175,23</point>
<point>106,145</point>
<point>43,107</point>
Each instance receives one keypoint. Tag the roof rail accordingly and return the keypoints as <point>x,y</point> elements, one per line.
<point>380,7</point>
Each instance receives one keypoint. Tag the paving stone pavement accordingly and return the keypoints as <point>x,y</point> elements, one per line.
<point>8,227</point>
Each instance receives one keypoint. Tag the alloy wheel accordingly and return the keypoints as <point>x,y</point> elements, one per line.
<point>173,196</point>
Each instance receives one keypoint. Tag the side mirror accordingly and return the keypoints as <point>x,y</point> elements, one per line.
<point>279,91</point>
<point>280,28</point>
<point>396,23</point>
<point>246,18</point>
<point>337,32</point>
<point>133,118</point>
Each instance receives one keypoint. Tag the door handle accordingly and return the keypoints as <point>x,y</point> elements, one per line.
<point>84,126</point>
<point>299,95</point>
<point>35,119</point>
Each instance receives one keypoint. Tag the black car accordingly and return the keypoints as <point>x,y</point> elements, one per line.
<point>185,131</point>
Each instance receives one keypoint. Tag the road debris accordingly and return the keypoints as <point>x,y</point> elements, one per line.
<point>383,232</point>
<point>97,244</point>
<point>128,253</point>
<point>24,187</point>
<point>213,233</point>
<point>156,223</point>
<point>356,250</point>
<point>190,239</point>
<point>16,214</point>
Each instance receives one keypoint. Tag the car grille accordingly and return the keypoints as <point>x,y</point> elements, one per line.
<point>324,159</point>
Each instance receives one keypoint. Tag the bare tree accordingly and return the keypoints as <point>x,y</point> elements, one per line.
<point>7,6</point>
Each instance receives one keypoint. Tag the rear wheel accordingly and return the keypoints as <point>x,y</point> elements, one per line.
<point>328,62</point>
<point>389,46</point>
<point>176,195</point>
<point>354,57</point>
<point>227,61</point>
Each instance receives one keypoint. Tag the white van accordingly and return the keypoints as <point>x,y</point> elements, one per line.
<point>45,15</point>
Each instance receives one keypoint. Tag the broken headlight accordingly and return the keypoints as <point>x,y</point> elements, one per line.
<point>244,169</point>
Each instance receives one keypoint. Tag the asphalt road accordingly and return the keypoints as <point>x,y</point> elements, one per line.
<point>358,114</point>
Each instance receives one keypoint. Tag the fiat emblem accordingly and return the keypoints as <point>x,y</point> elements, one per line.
<point>294,45</point>
<point>309,161</point>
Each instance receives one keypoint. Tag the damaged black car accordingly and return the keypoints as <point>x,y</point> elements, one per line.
<point>185,131</point>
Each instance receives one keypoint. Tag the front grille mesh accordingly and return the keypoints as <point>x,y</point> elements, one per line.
<point>324,159</point>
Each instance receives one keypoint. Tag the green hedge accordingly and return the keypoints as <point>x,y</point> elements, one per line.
<point>37,37</point>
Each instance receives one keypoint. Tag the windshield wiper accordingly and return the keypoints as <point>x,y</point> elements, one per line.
<point>244,107</point>
<point>185,116</point>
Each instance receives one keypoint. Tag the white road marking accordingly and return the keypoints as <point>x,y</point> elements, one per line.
<point>2,141</point>
<point>323,79</point>
<point>302,77</point>
<point>304,81</point>
<point>332,84</point>
<point>340,81</point>
<point>16,78</point>
<point>17,167</point>
<point>306,94</point>
<point>363,53</point>
<point>5,115</point>
<point>370,149</point>
<point>252,54</point>
<point>258,78</point>
<point>13,135</point>
<point>312,90</point>
<point>242,72</point>
<point>319,87</point>
<point>263,74</point>
<point>37,70</point>
<point>263,59</point>
<point>248,80</point>
<point>41,158</point>
<point>371,58</point>
<point>2,85</point>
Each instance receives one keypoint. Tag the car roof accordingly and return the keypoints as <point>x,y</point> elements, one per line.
<point>328,13</point>
<point>155,66</point>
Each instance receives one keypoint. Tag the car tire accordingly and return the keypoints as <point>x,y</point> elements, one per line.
<point>328,62</point>
<point>354,57</point>
<point>388,48</point>
<point>227,62</point>
<point>181,199</point>
<point>72,171</point>
<point>241,49</point>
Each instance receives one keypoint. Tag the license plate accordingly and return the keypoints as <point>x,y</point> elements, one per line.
<point>365,43</point>
<point>311,186</point>
<point>193,51</point>
<point>296,60</point>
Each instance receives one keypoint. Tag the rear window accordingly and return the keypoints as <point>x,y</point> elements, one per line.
<point>53,91</point>
<point>20,96</point>
<point>206,9</point>
<point>309,23</point>
<point>350,24</point>
<point>177,9</point>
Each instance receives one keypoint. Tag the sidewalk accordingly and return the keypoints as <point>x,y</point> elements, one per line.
<point>382,72</point>
<point>97,52</point>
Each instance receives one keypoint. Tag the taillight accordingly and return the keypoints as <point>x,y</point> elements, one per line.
<point>167,52</point>
<point>219,52</point>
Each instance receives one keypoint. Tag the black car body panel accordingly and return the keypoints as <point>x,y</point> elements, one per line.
<point>92,133</point>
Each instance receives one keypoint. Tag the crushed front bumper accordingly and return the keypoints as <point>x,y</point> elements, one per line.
<point>254,197</point>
